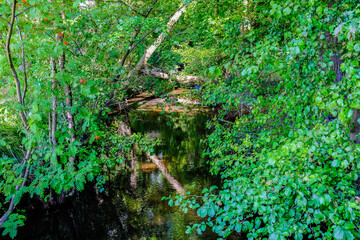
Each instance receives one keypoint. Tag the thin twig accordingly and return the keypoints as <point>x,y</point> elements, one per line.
<point>14,155</point>
<point>5,20</point>
<point>25,10</point>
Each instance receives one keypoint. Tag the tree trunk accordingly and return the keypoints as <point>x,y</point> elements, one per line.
<point>68,101</point>
<point>54,104</point>
<point>150,51</point>
<point>356,129</point>
<point>334,44</point>
<point>68,104</point>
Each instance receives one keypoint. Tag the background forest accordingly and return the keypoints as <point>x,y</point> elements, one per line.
<point>283,77</point>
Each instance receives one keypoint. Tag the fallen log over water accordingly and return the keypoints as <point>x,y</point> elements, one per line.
<point>181,79</point>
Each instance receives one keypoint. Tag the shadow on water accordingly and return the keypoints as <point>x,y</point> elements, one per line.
<point>131,206</point>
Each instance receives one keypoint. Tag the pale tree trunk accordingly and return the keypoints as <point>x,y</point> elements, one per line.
<point>54,103</point>
<point>53,111</point>
<point>20,95</point>
<point>68,104</point>
<point>68,100</point>
<point>150,51</point>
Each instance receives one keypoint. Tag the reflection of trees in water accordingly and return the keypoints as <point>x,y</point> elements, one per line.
<point>134,173</point>
<point>91,215</point>
<point>181,156</point>
<point>135,209</point>
<point>180,136</point>
<point>125,130</point>
<point>174,183</point>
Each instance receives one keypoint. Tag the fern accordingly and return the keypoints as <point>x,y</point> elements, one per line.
<point>10,226</point>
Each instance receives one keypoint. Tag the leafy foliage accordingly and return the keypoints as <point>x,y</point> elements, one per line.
<point>281,140</point>
<point>15,221</point>
<point>66,56</point>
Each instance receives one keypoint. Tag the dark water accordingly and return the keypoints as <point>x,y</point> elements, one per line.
<point>131,205</point>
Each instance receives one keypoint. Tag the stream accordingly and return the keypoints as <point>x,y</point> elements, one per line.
<point>131,205</point>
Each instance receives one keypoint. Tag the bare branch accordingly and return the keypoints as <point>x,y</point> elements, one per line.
<point>181,79</point>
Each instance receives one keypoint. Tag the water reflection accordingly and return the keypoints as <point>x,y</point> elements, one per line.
<point>174,183</point>
<point>131,206</point>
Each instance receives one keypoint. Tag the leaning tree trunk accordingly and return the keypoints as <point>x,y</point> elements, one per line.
<point>150,51</point>
<point>22,177</point>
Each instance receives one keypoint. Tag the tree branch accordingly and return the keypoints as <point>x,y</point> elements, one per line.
<point>150,50</point>
<point>25,10</point>
<point>15,75</point>
<point>136,34</point>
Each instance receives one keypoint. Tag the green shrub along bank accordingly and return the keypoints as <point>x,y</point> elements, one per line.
<point>58,61</point>
<point>285,140</point>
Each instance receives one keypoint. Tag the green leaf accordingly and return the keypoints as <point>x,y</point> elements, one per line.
<point>338,30</point>
<point>349,235</point>
<point>287,11</point>
<point>356,104</point>
<point>287,191</point>
<point>76,3</point>
<point>202,212</point>
<point>273,236</point>
<point>319,10</point>
<point>211,212</point>
<point>339,233</point>
<point>357,47</point>
<point>212,69</point>
<point>298,236</point>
